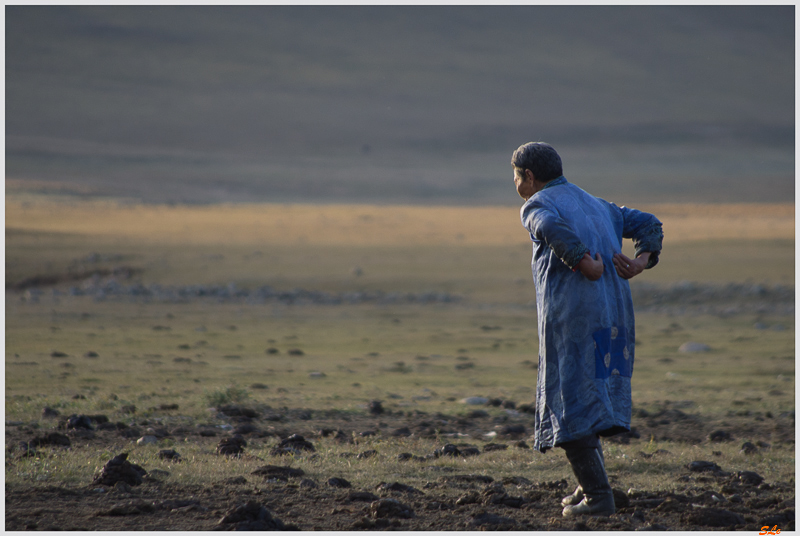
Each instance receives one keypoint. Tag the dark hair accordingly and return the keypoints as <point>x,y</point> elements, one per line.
<point>540,158</point>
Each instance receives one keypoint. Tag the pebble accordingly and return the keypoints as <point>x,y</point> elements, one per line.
<point>147,440</point>
<point>475,401</point>
<point>693,347</point>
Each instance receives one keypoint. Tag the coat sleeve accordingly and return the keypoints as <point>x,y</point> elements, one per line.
<point>645,230</point>
<point>547,226</point>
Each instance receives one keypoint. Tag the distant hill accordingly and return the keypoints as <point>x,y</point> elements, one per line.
<point>408,104</point>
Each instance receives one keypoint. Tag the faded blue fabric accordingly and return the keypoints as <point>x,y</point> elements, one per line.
<point>586,328</point>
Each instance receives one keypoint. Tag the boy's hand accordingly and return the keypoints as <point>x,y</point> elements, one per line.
<point>627,268</point>
<point>592,269</point>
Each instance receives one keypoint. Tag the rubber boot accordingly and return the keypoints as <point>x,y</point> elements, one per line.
<point>575,498</point>
<point>598,498</point>
<point>577,495</point>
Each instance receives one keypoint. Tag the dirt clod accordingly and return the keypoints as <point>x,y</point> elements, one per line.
<point>278,472</point>
<point>52,439</point>
<point>391,508</point>
<point>750,478</point>
<point>169,454</point>
<point>337,482</point>
<point>119,469</point>
<point>251,516</point>
<point>79,421</point>
<point>231,446</point>
<point>294,444</point>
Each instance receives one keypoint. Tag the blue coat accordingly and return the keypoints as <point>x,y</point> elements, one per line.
<point>586,328</point>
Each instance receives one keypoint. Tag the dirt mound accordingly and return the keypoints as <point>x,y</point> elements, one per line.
<point>119,469</point>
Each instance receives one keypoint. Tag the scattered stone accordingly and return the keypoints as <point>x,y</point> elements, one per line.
<point>79,421</point>
<point>51,439</point>
<point>375,407</point>
<point>308,483</point>
<point>750,478</point>
<point>128,408</point>
<point>478,414</point>
<point>258,386</point>
<point>469,451</point>
<point>447,450</point>
<point>693,347</point>
<point>231,446</point>
<point>56,353</point>
<point>90,354</point>
<point>749,448</point>
<point>404,431</point>
<point>475,401</point>
<point>169,454</point>
<point>119,469</point>
<point>272,351</point>
<point>236,481</point>
<point>294,444</point>
<point>719,435</point>
<point>278,472</point>
<point>50,413</point>
<point>521,444</point>
<point>703,467</point>
<point>390,508</point>
<point>296,351</point>
<point>337,482</point>
<point>472,497</point>
<point>147,440</point>
<point>397,486</point>
<point>494,446</point>
<point>367,454</point>
<point>251,516</point>
<point>364,496</point>
<point>317,374</point>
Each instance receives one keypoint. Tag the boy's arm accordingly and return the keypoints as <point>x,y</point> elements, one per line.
<point>547,226</point>
<point>645,230</point>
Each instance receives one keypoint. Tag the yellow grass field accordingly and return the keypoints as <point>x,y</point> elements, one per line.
<point>479,252</point>
<point>365,225</point>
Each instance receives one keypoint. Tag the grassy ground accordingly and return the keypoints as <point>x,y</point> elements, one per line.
<point>85,356</point>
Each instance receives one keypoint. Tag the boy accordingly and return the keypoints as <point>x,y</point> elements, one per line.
<point>585,315</point>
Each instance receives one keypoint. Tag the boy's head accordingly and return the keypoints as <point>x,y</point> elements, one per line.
<point>540,158</point>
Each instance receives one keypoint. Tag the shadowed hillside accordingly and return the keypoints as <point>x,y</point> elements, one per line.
<point>399,104</point>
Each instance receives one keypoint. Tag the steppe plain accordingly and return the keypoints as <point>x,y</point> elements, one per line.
<point>381,334</point>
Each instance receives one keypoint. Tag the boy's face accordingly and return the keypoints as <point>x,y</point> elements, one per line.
<point>523,180</point>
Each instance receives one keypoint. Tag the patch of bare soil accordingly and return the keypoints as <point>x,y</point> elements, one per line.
<point>275,497</point>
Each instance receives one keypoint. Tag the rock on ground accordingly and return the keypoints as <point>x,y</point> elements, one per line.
<point>119,469</point>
